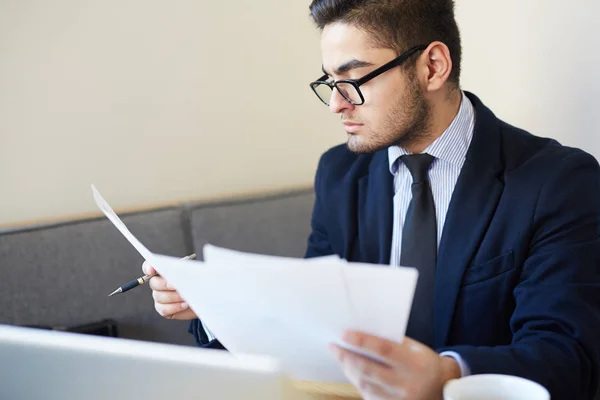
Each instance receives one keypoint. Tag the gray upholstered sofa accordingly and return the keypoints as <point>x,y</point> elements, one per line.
<point>61,274</point>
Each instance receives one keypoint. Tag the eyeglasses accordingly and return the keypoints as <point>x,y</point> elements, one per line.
<point>350,88</point>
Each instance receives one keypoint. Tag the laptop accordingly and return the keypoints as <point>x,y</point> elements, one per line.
<point>52,365</point>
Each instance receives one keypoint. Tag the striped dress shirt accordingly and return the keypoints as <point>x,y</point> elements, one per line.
<point>449,152</point>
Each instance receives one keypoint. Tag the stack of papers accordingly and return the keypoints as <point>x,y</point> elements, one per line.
<point>287,308</point>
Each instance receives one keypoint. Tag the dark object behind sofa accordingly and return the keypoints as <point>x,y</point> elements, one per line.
<point>106,327</point>
<point>61,274</point>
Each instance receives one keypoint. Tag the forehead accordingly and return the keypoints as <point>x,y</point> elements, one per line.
<point>341,43</point>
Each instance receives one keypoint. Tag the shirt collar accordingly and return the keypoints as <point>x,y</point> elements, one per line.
<point>452,145</point>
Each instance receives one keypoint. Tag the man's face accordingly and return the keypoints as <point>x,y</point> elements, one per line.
<point>395,111</point>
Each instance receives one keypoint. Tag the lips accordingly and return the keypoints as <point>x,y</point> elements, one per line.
<point>351,127</point>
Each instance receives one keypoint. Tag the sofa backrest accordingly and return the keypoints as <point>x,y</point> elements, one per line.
<point>61,274</point>
<point>276,225</point>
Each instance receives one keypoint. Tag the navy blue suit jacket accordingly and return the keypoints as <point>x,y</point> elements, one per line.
<point>518,274</point>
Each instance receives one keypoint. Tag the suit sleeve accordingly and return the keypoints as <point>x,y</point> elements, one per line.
<point>318,242</point>
<point>202,339</point>
<point>556,322</point>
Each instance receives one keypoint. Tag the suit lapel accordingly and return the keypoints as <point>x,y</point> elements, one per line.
<point>375,216</point>
<point>471,209</point>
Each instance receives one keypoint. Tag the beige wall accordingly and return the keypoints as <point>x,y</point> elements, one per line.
<point>535,63</point>
<point>157,101</point>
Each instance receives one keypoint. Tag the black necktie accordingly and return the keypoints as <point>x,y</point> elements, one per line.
<point>419,247</point>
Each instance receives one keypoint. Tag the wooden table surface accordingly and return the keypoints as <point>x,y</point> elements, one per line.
<point>328,391</point>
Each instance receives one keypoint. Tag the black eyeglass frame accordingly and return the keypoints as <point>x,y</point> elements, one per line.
<point>356,83</point>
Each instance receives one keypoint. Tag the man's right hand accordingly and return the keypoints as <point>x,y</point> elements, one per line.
<point>167,301</point>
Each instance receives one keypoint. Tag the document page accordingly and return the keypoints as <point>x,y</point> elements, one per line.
<point>287,308</point>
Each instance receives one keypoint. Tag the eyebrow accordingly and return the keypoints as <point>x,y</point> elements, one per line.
<point>350,65</point>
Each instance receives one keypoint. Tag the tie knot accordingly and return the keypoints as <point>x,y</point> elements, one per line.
<point>418,165</point>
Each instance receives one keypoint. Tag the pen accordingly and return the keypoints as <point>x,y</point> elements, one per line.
<point>140,281</point>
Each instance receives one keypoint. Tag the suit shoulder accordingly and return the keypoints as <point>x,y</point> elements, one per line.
<point>339,161</point>
<point>341,168</point>
<point>523,149</point>
<point>337,155</point>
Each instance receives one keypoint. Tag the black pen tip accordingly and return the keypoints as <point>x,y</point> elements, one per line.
<point>119,290</point>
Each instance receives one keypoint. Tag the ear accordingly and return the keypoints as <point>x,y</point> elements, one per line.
<point>436,66</point>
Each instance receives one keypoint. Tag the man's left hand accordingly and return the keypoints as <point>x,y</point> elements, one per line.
<point>413,371</point>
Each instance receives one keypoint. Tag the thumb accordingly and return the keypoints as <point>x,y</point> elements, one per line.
<point>148,269</point>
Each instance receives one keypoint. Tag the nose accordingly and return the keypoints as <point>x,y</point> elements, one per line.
<point>337,103</point>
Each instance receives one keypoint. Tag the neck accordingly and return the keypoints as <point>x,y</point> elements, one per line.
<point>444,108</point>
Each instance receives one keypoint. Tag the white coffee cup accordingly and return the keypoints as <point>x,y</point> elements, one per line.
<point>494,387</point>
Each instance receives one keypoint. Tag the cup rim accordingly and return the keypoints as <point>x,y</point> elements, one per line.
<point>454,382</point>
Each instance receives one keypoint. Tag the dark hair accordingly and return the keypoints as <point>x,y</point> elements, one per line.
<point>397,24</point>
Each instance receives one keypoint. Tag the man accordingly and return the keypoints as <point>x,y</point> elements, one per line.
<point>503,226</point>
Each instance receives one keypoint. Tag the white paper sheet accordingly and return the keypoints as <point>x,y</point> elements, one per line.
<point>287,308</point>
<point>112,216</point>
<point>379,298</point>
<point>262,308</point>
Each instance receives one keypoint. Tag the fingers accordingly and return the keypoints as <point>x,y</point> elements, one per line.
<point>148,269</point>
<point>166,297</point>
<point>394,353</point>
<point>167,301</point>
<point>170,305</point>
<point>159,283</point>
<point>373,379</point>
<point>171,311</point>
<point>361,367</point>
